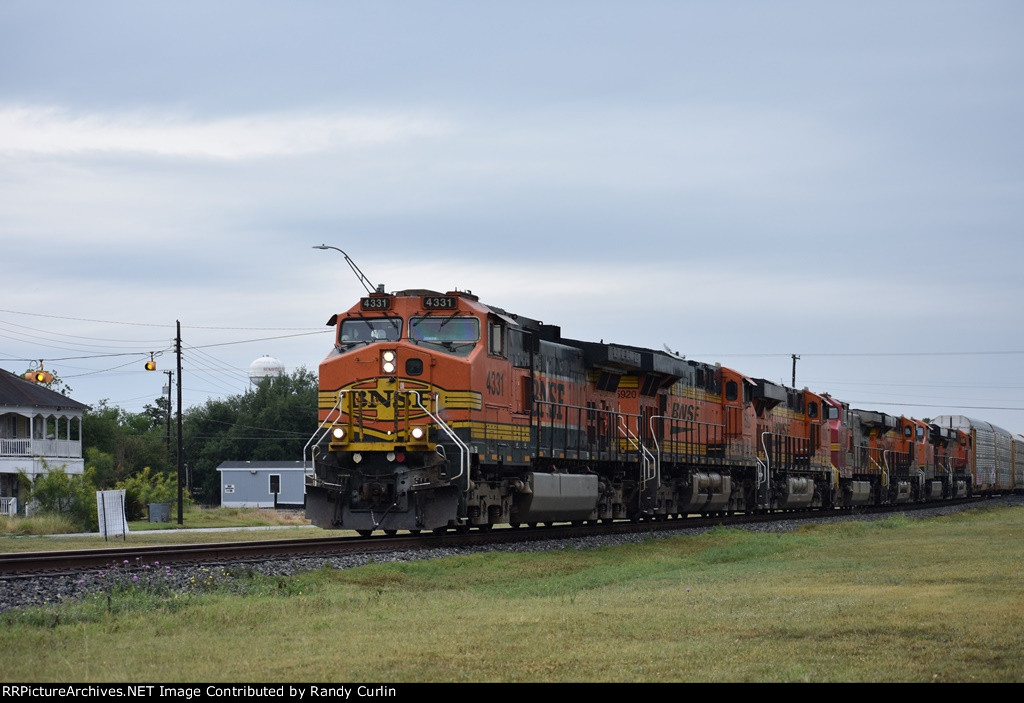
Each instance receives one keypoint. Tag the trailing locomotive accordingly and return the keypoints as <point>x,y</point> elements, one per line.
<point>438,412</point>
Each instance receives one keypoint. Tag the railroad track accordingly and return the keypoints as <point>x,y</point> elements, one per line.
<point>30,564</point>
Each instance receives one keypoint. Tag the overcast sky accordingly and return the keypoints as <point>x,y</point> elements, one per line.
<point>738,180</point>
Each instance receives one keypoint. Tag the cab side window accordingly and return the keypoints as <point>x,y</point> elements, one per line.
<point>495,339</point>
<point>731,390</point>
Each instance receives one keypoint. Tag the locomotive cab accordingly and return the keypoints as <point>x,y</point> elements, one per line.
<point>388,402</point>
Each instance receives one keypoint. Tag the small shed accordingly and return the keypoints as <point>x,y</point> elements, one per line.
<point>262,484</point>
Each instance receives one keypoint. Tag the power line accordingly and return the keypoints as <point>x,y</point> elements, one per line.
<point>145,324</point>
<point>928,405</point>
<point>261,339</point>
<point>86,319</point>
<point>64,335</point>
<point>861,354</point>
<point>91,356</point>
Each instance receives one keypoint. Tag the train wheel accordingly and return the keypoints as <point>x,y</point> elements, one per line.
<point>439,530</point>
<point>485,528</point>
<point>391,533</point>
<point>364,533</point>
<point>414,532</point>
<point>515,525</point>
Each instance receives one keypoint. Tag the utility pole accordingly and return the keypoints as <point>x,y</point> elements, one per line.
<point>170,375</point>
<point>181,472</point>
<point>795,357</point>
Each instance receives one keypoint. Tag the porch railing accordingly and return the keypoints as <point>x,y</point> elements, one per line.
<point>8,506</point>
<point>41,447</point>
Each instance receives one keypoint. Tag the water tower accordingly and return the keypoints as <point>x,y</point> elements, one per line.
<point>265,367</point>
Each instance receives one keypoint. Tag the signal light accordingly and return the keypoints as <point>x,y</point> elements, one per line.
<point>151,364</point>
<point>40,376</point>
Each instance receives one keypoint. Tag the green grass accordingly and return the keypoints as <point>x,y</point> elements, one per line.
<point>48,524</point>
<point>192,517</point>
<point>197,517</point>
<point>894,600</point>
<point>44,532</point>
<point>44,543</point>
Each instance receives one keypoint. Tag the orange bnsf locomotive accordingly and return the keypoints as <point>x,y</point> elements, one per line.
<point>438,411</point>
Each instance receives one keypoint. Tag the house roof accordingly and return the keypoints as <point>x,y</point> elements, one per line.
<point>18,392</point>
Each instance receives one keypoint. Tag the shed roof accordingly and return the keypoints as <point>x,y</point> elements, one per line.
<point>261,465</point>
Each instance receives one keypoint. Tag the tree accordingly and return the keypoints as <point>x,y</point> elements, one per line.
<point>73,496</point>
<point>147,487</point>
<point>130,440</point>
<point>271,422</point>
<point>102,465</point>
<point>157,414</point>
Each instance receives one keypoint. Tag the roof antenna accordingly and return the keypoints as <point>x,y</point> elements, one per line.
<point>355,269</point>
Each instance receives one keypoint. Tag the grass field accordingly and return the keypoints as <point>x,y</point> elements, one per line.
<point>936,599</point>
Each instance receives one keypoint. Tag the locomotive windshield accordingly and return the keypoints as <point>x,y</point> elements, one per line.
<point>362,330</point>
<point>452,333</point>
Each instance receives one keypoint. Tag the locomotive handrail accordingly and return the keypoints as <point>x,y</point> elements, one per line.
<point>322,431</point>
<point>580,411</point>
<point>646,456</point>
<point>675,422</point>
<point>766,465</point>
<point>463,447</point>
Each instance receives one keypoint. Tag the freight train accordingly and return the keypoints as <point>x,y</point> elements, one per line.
<point>439,412</point>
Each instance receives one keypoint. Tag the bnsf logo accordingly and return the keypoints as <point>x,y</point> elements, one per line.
<point>374,402</point>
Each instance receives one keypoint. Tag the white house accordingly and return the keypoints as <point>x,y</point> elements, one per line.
<point>39,428</point>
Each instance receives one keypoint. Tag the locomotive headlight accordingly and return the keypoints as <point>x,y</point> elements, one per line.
<point>339,433</point>
<point>388,362</point>
<point>418,433</point>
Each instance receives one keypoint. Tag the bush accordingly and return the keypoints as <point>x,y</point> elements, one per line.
<point>72,496</point>
<point>148,487</point>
